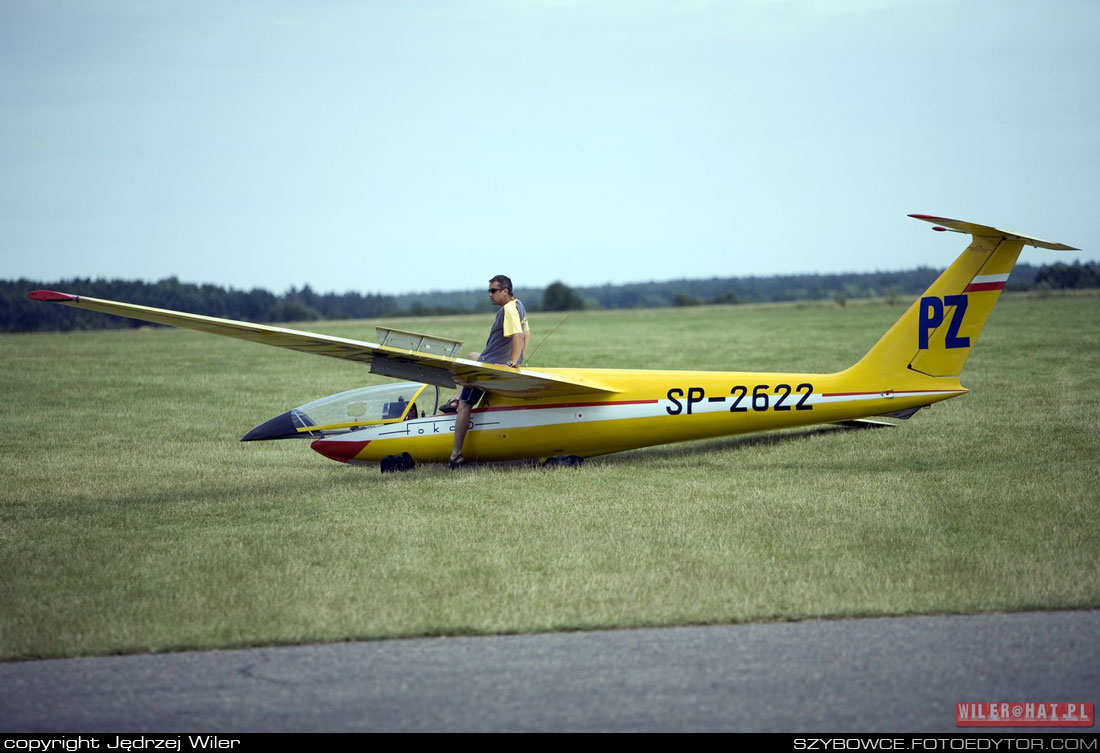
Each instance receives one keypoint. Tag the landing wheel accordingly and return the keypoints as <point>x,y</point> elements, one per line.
<point>395,463</point>
<point>569,461</point>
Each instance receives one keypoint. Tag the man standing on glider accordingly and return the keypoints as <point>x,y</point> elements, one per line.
<point>507,345</point>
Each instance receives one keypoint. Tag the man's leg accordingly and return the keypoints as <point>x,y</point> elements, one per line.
<point>462,424</point>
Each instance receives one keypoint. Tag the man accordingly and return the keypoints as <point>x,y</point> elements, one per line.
<point>506,345</point>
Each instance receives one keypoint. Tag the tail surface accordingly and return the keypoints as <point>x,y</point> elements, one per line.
<point>934,337</point>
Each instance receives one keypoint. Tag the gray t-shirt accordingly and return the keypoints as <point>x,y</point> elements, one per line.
<point>498,348</point>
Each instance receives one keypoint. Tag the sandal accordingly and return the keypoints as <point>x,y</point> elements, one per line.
<point>456,462</point>
<point>451,406</point>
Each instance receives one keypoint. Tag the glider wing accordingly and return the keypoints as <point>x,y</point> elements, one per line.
<point>384,360</point>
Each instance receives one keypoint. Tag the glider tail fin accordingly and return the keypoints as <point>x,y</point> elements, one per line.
<point>934,337</point>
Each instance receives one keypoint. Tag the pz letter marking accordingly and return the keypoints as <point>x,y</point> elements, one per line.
<point>931,316</point>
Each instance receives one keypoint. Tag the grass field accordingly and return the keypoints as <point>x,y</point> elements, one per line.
<point>132,520</point>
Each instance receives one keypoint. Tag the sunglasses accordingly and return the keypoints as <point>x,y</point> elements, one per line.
<point>495,290</point>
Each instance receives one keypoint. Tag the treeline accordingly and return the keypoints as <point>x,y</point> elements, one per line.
<point>896,286</point>
<point>19,314</point>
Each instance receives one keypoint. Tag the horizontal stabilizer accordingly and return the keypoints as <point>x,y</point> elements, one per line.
<point>990,232</point>
<point>863,423</point>
<point>903,414</point>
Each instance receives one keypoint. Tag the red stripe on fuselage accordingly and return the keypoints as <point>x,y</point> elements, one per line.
<point>885,392</point>
<point>564,405</point>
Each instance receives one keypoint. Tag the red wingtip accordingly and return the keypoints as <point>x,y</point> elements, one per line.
<point>50,295</point>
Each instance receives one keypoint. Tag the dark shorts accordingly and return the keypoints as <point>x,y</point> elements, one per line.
<point>471,395</point>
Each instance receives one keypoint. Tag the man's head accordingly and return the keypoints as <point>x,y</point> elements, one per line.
<point>500,290</point>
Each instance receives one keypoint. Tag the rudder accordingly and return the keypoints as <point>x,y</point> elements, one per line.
<point>935,335</point>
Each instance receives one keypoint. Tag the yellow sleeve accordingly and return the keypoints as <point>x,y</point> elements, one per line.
<point>512,324</point>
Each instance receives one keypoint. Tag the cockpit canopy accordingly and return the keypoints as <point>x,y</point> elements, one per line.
<point>346,411</point>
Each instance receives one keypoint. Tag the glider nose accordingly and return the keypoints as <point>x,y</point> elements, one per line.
<point>338,449</point>
<point>287,425</point>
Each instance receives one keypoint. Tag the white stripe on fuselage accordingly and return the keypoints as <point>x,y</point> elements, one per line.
<point>526,417</point>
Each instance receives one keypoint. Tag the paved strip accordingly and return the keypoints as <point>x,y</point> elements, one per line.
<point>885,675</point>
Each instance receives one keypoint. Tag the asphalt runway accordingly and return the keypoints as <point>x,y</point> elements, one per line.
<point>870,675</point>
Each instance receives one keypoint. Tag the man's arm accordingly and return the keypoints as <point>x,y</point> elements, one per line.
<point>518,341</point>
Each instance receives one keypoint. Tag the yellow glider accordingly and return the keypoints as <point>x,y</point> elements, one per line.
<point>577,413</point>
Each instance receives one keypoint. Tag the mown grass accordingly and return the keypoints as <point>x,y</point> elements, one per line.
<point>131,518</point>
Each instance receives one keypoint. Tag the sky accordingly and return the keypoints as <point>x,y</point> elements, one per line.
<point>390,147</point>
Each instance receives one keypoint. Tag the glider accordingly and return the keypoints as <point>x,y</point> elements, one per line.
<point>563,415</point>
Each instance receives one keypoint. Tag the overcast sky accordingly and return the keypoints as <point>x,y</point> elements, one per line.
<point>429,144</point>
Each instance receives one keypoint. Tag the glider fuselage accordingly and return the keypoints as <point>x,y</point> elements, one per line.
<point>647,408</point>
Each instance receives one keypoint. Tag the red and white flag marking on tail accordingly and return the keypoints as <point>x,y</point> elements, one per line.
<point>986,282</point>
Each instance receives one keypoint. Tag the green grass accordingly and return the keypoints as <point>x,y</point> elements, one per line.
<point>131,518</point>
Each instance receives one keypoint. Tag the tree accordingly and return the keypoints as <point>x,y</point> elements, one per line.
<point>1063,276</point>
<point>728,296</point>
<point>560,297</point>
